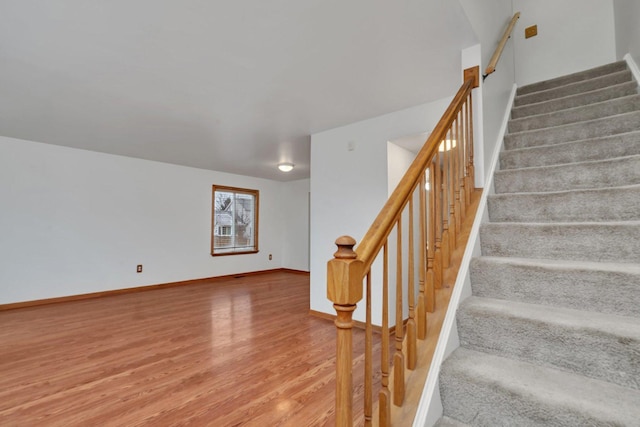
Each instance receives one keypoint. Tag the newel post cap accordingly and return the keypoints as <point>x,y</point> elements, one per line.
<point>345,246</point>
<point>344,274</point>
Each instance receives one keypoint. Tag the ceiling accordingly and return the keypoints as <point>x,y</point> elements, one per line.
<point>232,86</point>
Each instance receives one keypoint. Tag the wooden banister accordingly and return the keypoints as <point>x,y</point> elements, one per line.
<point>446,158</point>
<point>383,224</point>
<point>503,41</point>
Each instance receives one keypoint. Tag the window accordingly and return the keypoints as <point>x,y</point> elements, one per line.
<point>224,230</point>
<point>235,221</point>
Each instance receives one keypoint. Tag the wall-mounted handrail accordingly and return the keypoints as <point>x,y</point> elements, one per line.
<point>503,41</point>
<point>447,159</point>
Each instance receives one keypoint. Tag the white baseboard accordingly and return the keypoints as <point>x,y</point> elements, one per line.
<point>430,405</point>
<point>635,70</point>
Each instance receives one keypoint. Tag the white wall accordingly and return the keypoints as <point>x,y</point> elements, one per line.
<point>348,188</point>
<point>75,222</point>
<point>489,19</point>
<point>398,161</point>
<point>295,227</point>
<point>573,35</point>
<point>627,20</point>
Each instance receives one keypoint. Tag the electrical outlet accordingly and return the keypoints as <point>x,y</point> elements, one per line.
<point>139,268</point>
<point>270,257</point>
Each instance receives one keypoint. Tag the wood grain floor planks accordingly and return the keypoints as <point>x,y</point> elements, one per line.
<point>233,352</point>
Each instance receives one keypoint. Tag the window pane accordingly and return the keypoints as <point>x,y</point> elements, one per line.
<point>235,221</point>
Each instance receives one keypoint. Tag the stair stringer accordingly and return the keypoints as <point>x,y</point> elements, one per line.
<point>430,407</point>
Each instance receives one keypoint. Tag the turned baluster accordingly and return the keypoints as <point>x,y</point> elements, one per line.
<point>436,197</point>
<point>344,289</point>
<point>456,173</point>
<point>450,183</point>
<point>470,168</point>
<point>422,269</point>
<point>384,406</point>
<point>461,161</point>
<point>465,155</point>
<point>465,163</point>
<point>432,276</point>
<point>461,196</point>
<point>368,358</point>
<point>398,356</point>
<point>411,322</point>
<point>444,191</point>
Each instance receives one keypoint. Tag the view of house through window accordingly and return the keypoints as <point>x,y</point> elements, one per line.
<point>235,221</point>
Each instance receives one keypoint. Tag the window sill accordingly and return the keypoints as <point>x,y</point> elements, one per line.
<point>235,253</point>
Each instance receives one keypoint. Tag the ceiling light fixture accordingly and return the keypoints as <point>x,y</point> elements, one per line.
<point>286,167</point>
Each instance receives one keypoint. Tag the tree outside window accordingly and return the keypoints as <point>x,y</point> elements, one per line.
<point>235,221</point>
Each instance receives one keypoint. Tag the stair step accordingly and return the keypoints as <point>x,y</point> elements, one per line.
<point>449,422</point>
<point>581,241</point>
<point>614,125</point>
<point>626,144</point>
<point>596,345</point>
<point>594,286</point>
<point>572,78</point>
<point>551,333</point>
<point>574,88</point>
<point>578,114</point>
<point>486,390</point>
<point>572,101</point>
<point>617,172</point>
<point>600,204</point>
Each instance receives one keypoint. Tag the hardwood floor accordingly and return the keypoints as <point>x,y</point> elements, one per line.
<point>240,351</point>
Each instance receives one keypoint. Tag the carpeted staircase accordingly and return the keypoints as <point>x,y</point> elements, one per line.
<point>551,334</point>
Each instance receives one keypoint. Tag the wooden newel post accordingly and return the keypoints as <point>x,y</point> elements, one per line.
<point>344,289</point>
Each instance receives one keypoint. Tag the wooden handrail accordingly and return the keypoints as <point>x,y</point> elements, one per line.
<point>375,237</point>
<point>503,41</point>
<point>447,155</point>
